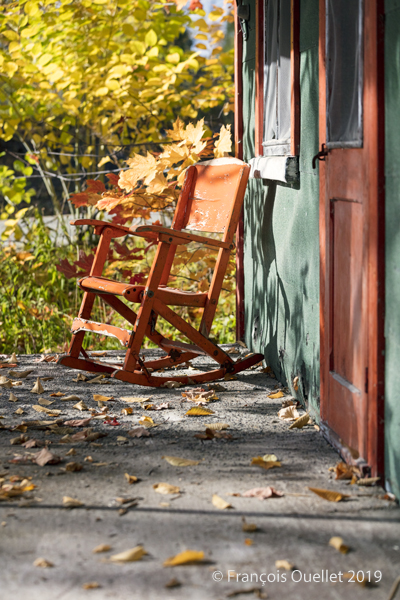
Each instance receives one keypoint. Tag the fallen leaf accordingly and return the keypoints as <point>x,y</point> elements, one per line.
<point>6,383</point>
<point>220,503</point>
<point>37,388</point>
<point>71,399</point>
<point>172,385</point>
<point>45,457</point>
<point>217,426</point>
<point>19,411</point>
<point>57,395</point>
<point>80,377</point>
<point>20,374</point>
<point>296,384</point>
<point>161,406</point>
<point>337,543</point>
<point>175,461</point>
<point>172,583</point>
<point>91,585</point>
<point>300,422</point>
<point>229,377</point>
<point>73,467</point>
<point>263,493</point>
<point>248,527</point>
<point>99,353</point>
<point>248,542</point>
<point>199,412</point>
<point>274,395</point>
<point>265,464</point>
<point>147,422</point>
<point>80,406</point>
<point>166,488</point>
<point>42,562</point>
<point>269,457</point>
<point>184,558</point>
<point>69,502</point>
<point>122,439</point>
<point>32,443</point>
<point>101,548</point>
<point>49,411</point>
<point>288,402</point>
<point>139,432</point>
<point>284,564</point>
<point>78,422</point>
<point>368,481</point>
<point>96,379</point>
<point>135,399</point>
<point>71,452</point>
<point>127,411</point>
<point>329,495</point>
<point>344,471</point>
<point>199,396</point>
<point>289,413</point>
<point>21,439</point>
<point>12,398</point>
<point>131,555</point>
<point>100,398</point>
<point>131,478</point>
<point>44,402</point>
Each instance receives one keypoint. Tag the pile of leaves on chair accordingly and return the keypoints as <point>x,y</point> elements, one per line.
<point>147,191</point>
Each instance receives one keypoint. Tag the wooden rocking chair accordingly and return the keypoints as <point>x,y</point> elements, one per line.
<point>211,200</point>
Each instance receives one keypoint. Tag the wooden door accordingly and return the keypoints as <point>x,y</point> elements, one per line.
<point>351,228</point>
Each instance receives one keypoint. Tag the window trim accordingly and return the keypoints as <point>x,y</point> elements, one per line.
<point>295,79</point>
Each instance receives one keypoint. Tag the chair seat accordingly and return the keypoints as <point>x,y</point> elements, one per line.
<point>134,293</point>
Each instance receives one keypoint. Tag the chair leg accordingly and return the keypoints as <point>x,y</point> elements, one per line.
<point>89,298</point>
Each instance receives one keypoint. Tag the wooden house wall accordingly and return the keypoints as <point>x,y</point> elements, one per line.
<point>281,253</point>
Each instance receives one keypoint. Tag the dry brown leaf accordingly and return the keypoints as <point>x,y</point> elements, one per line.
<point>45,457</point>
<point>32,443</point>
<point>71,399</point>
<point>368,481</point>
<point>199,395</point>
<point>13,358</point>
<point>337,543</point>
<point>71,452</point>
<point>69,502</point>
<point>175,461</point>
<point>147,422</point>
<point>21,439</point>
<point>284,564</point>
<point>274,395</point>
<point>99,353</point>
<point>217,426</point>
<point>45,402</point>
<point>100,398</point>
<point>80,406</point>
<point>139,399</point>
<point>42,562</point>
<point>172,385</point>
<point>6,383</point>
<point>49,411</point>
<point>73,467</point>
<point>289,413</point>
<point>329,495</point>
<point>269,457</point>
<point>265,464</point>
<point>127,411</point>
<point>80,377</point>
<point>57,395</point>
<point>344,471</point>
<point>220,503</point>
<point>96,379</point>
<point>139,432</point>
<point>20,374</point>
<point>197,411</point>
<point>91,585</point>
<point>263,493</point>
<point>173,583</point>
<point>12,398</point>
<point>248,541</point>
<point>229,377</point>
<point>19,411</point>
<point>131,478</point>
<point>131,555</point>
<point>296,384</point>
<point>248,527</point>
<point>166,488</point>
<point>78,422</point>
<point>300,422</point>
<point>184,558</point>
<point>101,548</point>
<point>37,388</point>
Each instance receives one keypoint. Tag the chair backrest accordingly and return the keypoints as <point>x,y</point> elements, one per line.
<point>213,196</point>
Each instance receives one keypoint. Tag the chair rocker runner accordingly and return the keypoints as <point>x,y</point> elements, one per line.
<point>211,200</point>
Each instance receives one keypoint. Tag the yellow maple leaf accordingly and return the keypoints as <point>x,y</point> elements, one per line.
<point>193,134</point>
<point>157,184</point>
<point>177,132</point>
<point>140,167</point>
<point>224,143</point>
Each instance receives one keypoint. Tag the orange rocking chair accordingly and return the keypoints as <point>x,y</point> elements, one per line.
<point>211,200</point>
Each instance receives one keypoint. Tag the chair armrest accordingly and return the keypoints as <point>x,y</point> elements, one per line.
<point>180,237</point>
<point>117,230</point>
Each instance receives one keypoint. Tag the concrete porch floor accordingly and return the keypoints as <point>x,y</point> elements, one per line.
<point>296,527</point>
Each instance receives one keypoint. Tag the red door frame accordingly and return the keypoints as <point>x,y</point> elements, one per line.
<point>374,128</point>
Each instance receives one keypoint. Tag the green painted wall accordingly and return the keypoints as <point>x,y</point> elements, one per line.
<point>281,252</point>
<point>392,208</point>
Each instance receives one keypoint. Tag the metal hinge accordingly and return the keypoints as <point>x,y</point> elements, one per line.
<point>320,156</point>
